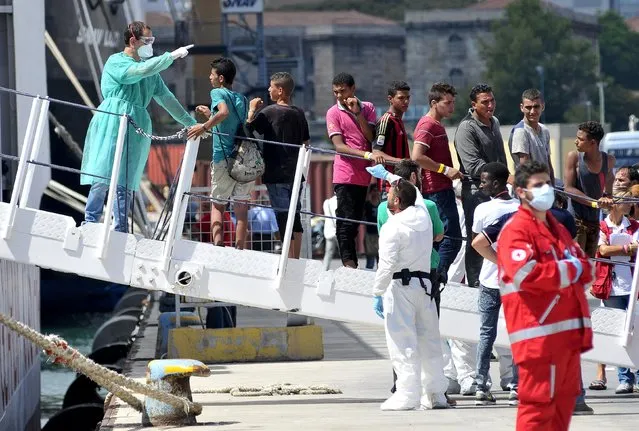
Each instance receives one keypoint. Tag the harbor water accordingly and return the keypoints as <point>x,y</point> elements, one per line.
<point>78,329</point>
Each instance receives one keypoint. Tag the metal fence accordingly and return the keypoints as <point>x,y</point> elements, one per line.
<point>262,236</point>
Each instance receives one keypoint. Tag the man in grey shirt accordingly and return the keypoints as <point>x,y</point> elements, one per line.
<point>530,139</point>
<point>477,141</point>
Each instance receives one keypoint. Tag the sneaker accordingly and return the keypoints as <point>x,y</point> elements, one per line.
<point>484,398</point>
<point>468,388</point>
<point>513,399</point>
<point>453,387</point>
<point>582,409</point>
<point>451,402</point>
<point>624,388</point>
<point>636,387</point>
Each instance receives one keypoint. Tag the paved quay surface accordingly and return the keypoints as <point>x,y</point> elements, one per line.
<point>356,363</point>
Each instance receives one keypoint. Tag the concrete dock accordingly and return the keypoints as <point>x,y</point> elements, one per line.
<point>356,363</point>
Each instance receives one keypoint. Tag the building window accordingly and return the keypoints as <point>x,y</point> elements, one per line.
<point>456,78</point>
<point>456,47</point>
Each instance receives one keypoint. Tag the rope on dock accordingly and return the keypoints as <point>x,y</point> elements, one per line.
<point>62,353</point>
<point>270,390</point>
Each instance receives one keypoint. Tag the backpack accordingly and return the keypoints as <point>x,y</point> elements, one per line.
<point>245,163</point>
<point>602,286</point>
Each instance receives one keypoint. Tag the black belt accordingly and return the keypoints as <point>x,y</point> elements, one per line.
<point>405,275</point>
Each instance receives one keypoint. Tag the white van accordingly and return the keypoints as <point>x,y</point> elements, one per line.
<point>623,145</point>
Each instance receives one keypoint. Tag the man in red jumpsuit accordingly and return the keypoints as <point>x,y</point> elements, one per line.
<point>543,276</point>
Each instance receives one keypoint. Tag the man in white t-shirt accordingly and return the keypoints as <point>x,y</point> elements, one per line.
<point>493,183</point>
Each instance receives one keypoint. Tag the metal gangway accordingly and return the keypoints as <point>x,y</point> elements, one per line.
<point>256,279</point>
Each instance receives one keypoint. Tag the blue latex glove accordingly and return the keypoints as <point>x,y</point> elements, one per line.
<point>378,306</point>
<point>577,264</point>
<point>379,171</point>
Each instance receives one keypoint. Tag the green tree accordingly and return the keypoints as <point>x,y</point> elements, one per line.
<point>619,53</point>
<point>619,50</point>
<point>530,36</point>
<point>462,105</point>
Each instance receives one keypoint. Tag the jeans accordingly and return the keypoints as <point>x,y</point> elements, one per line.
<point>489,305</point>
<point>448,247</point>
<point>471,198</point>
<point>350,204</point>
<point>581,398</point>
<point>121,204</point>
<point>370,262</point>
<point>625,375</point>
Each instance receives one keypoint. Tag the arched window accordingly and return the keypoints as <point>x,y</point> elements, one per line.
<point>456,47</point>
<point>456,78</point>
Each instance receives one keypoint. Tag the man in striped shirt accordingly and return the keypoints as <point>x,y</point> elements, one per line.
<point>391,141</point>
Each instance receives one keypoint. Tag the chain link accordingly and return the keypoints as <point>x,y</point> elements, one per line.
<point>179,135</point>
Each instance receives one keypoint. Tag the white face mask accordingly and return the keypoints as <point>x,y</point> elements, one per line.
<point>145,51</point>
<point>543,197</point>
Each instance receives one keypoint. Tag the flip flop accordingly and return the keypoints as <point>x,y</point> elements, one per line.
<point>597,385</point>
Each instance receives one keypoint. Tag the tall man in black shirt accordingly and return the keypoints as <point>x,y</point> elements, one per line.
<point>281,122</point>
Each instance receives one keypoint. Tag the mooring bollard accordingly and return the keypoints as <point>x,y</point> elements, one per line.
<point>172,376</point>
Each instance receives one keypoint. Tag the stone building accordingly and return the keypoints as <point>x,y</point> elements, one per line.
<point>315,46</point>
<point>445,44</point>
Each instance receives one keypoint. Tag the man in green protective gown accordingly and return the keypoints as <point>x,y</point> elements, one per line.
<point>130,80</point>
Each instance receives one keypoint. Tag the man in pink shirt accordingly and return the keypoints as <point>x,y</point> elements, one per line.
<point>351,126</point>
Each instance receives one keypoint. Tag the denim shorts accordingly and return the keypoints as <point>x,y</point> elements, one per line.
<point>280,196</point>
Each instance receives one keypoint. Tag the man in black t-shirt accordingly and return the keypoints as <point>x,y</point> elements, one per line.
<point>281,122</point>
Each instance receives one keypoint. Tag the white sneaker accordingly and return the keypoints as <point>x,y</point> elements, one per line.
<point>435,401</point>
<point>399,402</point>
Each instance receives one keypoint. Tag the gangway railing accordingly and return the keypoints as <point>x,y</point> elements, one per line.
<point>246,277</point>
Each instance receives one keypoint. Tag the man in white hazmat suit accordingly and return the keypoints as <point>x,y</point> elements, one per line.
<point>402,292</point>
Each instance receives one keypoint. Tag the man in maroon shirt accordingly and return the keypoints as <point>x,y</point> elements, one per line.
<point>432,152</point>
<point>391,140</point>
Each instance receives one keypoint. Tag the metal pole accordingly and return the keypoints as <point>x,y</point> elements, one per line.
<point>177,311</point>
<point>94,72</point>
<point>68,71</point>
<point>602,103</point>
<point>22,168</point>
<point>94,41</point>
<point>286,241</point>
<point>260,51</point>
<point>540,71</point>
<point>181,200</point>
<point>632,303</point>
<point>294,319</point>
<point>35,150</point>
<point>113,186</point>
